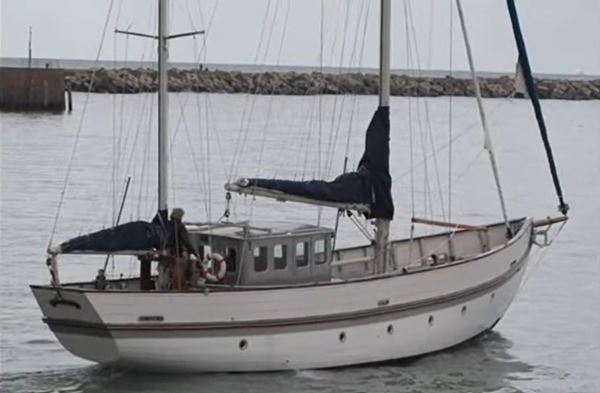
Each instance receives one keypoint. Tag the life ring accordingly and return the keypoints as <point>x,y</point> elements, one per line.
<point>219,268</point>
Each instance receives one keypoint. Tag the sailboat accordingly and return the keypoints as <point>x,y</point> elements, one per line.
<point>289,298</point>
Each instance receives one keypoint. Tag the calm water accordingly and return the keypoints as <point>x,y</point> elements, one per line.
<point>548,341</point>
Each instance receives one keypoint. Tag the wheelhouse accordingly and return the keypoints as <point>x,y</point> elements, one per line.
<point>267,256</point>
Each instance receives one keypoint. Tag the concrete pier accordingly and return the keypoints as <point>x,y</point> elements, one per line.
<point>32,89</point>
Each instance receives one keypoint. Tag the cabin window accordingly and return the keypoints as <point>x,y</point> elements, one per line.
<point>320,252</point>
<point>260,258</point>
<point>302,254</point>
<point>231,260</point>
<point>280,256</point>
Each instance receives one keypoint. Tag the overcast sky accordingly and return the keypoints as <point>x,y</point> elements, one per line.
<point>563,36</point>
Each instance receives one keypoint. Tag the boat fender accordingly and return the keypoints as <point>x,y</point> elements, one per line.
<point>219,268</point>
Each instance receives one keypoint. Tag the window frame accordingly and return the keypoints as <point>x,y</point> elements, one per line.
<point>284,256</point>
<point>231,264</point>
<point>266,256</point>
<point>323,261</point>
<point>306,257</point>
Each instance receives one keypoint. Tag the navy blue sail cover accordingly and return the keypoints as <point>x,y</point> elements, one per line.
<point>370,184</point>
<point>132,236</point>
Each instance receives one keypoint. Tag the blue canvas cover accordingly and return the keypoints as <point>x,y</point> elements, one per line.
<point>370,184</point>
<point>131,236</point>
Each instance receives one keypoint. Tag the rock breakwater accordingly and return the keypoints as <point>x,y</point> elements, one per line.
<point>127,81</point>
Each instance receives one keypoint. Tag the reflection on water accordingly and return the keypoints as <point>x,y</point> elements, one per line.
<point>482,364</point>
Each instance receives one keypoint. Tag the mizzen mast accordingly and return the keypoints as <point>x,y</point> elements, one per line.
<point>163,103</point>
<point>383,224</point>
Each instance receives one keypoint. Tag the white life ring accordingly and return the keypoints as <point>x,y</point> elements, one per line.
<point>219,268</point>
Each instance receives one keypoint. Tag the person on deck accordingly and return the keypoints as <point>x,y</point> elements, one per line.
<point>178,244</point>
<point>178,240</point>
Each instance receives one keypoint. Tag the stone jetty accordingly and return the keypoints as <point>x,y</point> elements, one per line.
<point>127,81</point>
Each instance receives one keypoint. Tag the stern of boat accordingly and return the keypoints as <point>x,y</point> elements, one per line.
<point>76,324</point>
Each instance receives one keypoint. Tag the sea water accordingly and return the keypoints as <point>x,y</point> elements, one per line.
<point>549,340</point>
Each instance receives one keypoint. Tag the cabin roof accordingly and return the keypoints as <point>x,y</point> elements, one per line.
<point>245,231</point>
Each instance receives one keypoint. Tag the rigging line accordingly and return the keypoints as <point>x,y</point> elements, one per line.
<point>306,142</point>
<point>121,117</point>
<point>205,158</point>
<point>265,54</point>
<point>487,137</point>
<point>207,29</point>
<point>270,102</point>
<point>360,63</point>
<point>211,113</point>
<point>249,101</point>
<point>209,110</point>
<point>534,265</point>
<point>183,122</point>
<point>113,176</point>
<point>361,228</point>
<point>427,113</point>
<point>208,160</point>
<point>320,99</point>
<point>190,145</point>
<point>270,98</point>
<point>138,128</point>
<point>144,183</point>
<point>410,121</point>
<point>354,96</point>
<point>349,133</point>
<point>80,126</point>
<point>333,135</point>
<point>427,202</point>
<point>458,136</point>
<point>431,30</point>
<point>450,67</point>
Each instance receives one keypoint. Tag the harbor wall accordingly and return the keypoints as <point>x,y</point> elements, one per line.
<point>36,89</point>
<point>126,80</point>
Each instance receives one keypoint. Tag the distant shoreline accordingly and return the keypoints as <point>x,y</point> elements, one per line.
<point>130,81</point>
<point>80,64</point>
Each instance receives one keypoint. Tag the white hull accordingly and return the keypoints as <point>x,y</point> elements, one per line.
<point>337,324</point>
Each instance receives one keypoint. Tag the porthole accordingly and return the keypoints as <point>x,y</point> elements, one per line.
<point>243,345</point>
<point>463,311</point>
<point>390,329</point>
<point>342,337</point>
<point>430,320</point>
<point>493,296</point>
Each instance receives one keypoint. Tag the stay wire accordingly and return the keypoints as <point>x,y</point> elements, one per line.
<point>428,129</point>
<point>450,109</point>
<point>80,126</point>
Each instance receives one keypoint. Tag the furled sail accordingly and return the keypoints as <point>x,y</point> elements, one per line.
<point>531,88</point>
<point>370,185</point>
<point>132,237</point>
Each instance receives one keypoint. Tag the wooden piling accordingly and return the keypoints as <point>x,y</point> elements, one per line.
<point>69,98</point>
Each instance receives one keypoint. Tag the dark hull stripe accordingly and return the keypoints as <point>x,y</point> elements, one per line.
<point>274,326</point>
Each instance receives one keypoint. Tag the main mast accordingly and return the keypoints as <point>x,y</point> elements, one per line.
<point>383,224</point>
<point>163,103</point>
